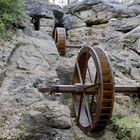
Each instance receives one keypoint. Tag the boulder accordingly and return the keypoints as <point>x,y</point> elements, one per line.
<point>125,127</point>
<point>81,6</point>
<point>135,6</point>
<point>41,10</point>
<point>58,14</point>
<point>65,70</point>
<point>121,11</point>
<point>2,75</point>
<point>126,24</point>
<point>126,65</point>
<point>98,12</point>
<point>47,26</point>
<point>31,58</point>
<point>53,113</point>
<point>111,1</point>
<point>131,40</point>
<point>87,35</point>
<point>128,128</point>
<point>37,9</point>
<point>71,22</point>
<point>113,38</point>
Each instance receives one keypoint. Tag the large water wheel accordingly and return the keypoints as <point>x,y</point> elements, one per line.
<point>92,89</point>
<point>94,110</point>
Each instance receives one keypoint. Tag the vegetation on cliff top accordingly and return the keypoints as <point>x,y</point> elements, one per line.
<point>10,14</point>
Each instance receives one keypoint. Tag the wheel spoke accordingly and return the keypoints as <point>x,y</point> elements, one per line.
<point>93,96</point>
<point>95,80</point>
<point>80,106</point>
<point>85,100</point>
<point>79,72</point>
<point>93,110</point>
<point>92,100</point>
<point>88,111</point>
<point>81,97</point>
<point>89,75</point>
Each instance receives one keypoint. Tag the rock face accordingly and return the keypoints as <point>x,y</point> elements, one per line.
<point>126,127</point>
<point>116,30</point>
<point>113,27</point>
<point>37,9</point>
<point>126,24</point>
<point>30,60</point>
<point>71,22</point>
<point>100,8</point>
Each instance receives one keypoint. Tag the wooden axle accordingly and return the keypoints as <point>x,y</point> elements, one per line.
<point>76,46</point>
<point>87,89</point>
<point>127,89</point>
<point>77,88</point>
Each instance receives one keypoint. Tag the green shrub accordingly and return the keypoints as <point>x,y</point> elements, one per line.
<point>10,14</point>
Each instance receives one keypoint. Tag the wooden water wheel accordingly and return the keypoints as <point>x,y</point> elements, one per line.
<point>94,110</point>
<point>92,89</point>
<point>60,39</point>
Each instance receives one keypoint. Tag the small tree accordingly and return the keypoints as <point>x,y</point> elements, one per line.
<point>10,14</point>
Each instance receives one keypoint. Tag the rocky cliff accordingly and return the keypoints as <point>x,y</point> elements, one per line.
<point>30,59</point>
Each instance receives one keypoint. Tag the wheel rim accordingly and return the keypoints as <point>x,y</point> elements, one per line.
<point>93,111</point>
<point>60,39</point>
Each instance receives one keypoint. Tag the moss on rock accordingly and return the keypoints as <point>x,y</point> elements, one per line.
<point>128,128</point>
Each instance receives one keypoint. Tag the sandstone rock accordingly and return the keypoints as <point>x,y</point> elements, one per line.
<point>47,23</point>
<point>81,6</point>
<point>43,46</point>
<point>101,13</point>
<point>135,6</point>
<point>47,26</point>
<point>37,9</point>
<point>113,38</point>
<point>2,58</point>
<point>41,10</point>
<point>47,133</point>
<point>31,60</point>
<point>125,121</point>
<point>111,1</point>
<point>71,22</point>
<point>128,128</point>
<point>75,35</point>
<point>131,37</point>
<point>133,33</point>
<point>136,47</point>
<point>127,24</point>
<point>98,12</point>
<point>55,115</point>
<point>2,75</point>
<point>58,14</point>
<point>65,70</point>
<point>125,62</point>
<point>87,35</point>
<point>121,11</point>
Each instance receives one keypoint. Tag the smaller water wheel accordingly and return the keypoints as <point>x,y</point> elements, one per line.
<point>60,39</point>
<point>94,110</point>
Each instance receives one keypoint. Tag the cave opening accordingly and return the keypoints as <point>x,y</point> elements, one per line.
<point>36,22</point>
